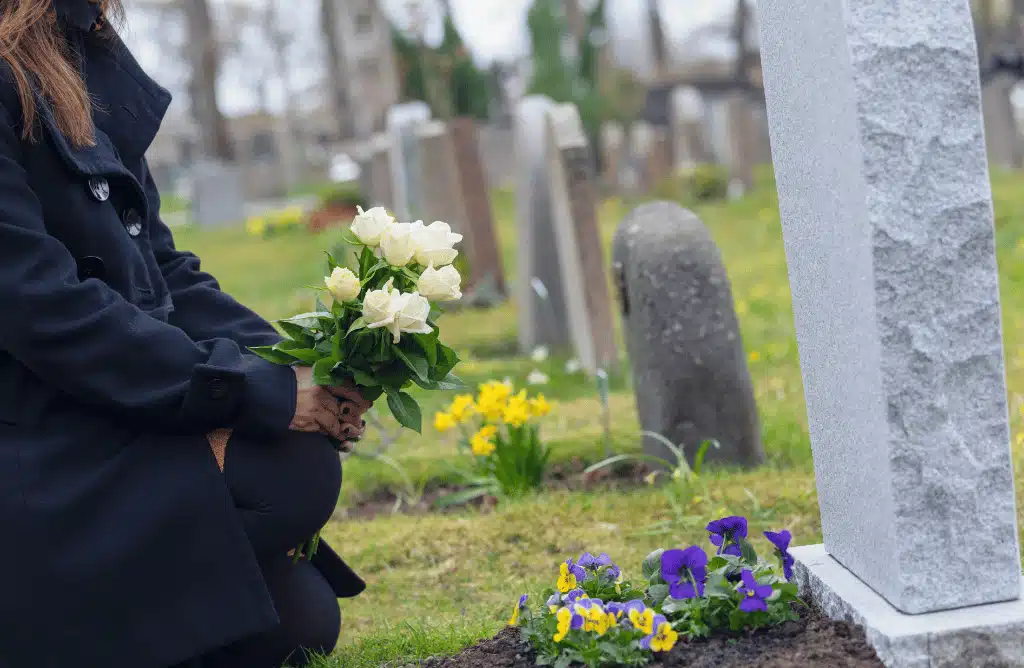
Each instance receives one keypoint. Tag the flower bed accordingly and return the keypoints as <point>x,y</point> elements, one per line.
<point>689,609</point>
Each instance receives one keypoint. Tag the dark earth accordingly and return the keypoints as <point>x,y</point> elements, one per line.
<point>814,641</point>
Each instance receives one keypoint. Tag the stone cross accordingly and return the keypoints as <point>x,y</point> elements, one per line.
<point>486,266</point>
<point>539,292</point>
<point>577,236</point>
<point>876,130</point>
<point>402,121</point>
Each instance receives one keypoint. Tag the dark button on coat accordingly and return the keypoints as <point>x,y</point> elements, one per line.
<point>121,547</point>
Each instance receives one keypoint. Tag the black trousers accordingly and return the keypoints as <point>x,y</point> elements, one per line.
<point>284,492</point>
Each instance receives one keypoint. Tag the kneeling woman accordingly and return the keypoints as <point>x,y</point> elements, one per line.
<point>154,475</point>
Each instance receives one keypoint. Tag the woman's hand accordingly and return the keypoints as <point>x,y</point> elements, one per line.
<point>333,411</point>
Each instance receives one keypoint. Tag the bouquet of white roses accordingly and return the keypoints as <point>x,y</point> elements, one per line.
<point>380,331</point>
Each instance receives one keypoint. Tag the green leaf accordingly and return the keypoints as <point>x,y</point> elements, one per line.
<point>305,355</point>
<point>363,379</point>
<point>446,361</point>
<point>747,551</point>
<point>462,496</point>
<point>322,371</point>
<point>273,356</point>
<point>416,362</point>
<point>406,410</point>
<point>658,593</point>
<point>428,344</point>
<point>652,565</point>
<point>313,320</point>
<point>331,262</point>
<point>357,324</point>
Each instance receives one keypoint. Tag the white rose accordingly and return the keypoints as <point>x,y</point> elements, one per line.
<point>398,243</point>
<point>441,285</point>
<point>434,244</point>
<point>343,284</point>
<point>413,311</point>
<point>369,226</point>
<point>380,309</point>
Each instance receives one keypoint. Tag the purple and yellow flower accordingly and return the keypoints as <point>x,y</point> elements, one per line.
<point>754,594</point>
<point>726,532</point>
<point>574,595</point>
<point>514,620</point>
<point>663,638</point>
<point>554,601</point>
<point>569,575</point>
<point>566,621</point>
<point>685,571</point>
<point>602,563</point>
<point>781,542</point>
<point>642,620</point>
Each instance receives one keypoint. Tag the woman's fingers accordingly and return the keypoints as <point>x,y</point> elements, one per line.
<point>329,424</point>
<point>350,393</point>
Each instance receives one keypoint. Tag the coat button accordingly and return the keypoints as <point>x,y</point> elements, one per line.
<point>100,188</point>
<point>91,267</point>
<point>218,390</point>
<point>133,222</point>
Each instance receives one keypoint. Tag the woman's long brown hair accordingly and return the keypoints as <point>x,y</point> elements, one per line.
<point>37,51</point>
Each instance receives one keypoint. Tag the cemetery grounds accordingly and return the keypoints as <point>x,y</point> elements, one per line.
<point>440,581</point>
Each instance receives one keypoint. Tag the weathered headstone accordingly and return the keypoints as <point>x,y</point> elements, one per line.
<point>641,141</point>
<point>440,195</point>
<point>879,153</point>
<point>742,141</point>
<point>379,192</point>
<point>539,292</point>
<point>578,238</point>
<point>402,122</point>
<point>689,368</point>
<point>659,158</point>
<point>613,140</point>
<point>687,127</point>
<point>486,267</point>
<point>218,194</point>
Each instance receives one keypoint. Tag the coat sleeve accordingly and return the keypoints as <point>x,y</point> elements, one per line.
<point>201,308</point>
<point>83,338</point>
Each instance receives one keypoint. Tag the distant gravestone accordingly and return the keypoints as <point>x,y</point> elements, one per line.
<point>743,142</point>
<point>878,144</point>
<point>380,193</point>
<point>578,238</point>
<point>659,158</point>
<point>402,122</point>
<point>440,195</point>
<point>641,143</point>
<point>539,292</point>
<point>613,141</point>
<point>690,370</point>
<point>689,147</point>
<point>486,268</point>
<point>218,194</point>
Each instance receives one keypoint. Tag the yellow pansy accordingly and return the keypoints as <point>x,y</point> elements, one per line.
<point>444,422</point>
<point>482,443</point>
<point>517,411</point>
<point>642,621</point>
<point>564,619</point>
<point>664,639</point>
<point>514,619</point>
<point>462,407</point>
<point>539,406</point>
<point>566,579</point>
<point>256,226</point>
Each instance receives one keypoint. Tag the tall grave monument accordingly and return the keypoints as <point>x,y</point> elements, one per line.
<point>875,118</point>
<point>402,123</point>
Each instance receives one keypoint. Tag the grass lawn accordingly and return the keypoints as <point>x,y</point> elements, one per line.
<point>439,582</point>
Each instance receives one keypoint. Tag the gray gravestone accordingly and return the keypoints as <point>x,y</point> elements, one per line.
<point>539,292</point>
<point>641,143</point>
<point>578,239</point>
<point>689,368</point>
<point>687,127</point>
<point>402,123</point>
<point>380,178</point>
<point>877,140</point>
<point>218,194</point>
<point>613,139</point>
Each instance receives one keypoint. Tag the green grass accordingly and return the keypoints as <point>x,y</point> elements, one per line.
<point>437,583</point>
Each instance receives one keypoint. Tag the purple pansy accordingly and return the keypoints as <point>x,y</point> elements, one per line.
<point>555,600</point>
<point>573,596</point>
<point>593,564</point>
<point>754,594</point>
<point>588,603</point>
<point>781,542</point>
<point>577,570</point>
<point>685,571</point>
<point>523,599</point>
<point>658,621</point>
<point>727,531</point>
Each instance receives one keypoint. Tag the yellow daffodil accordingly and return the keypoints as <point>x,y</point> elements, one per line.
<point>564,619</point>
<point>755,356</point>
<point>651,477</point>
<point>642,621</point>
<point>517,412</point>
<point>664,639</point>
<point>256,226</point>
<point>492,400</point>
<point>444,422</point>
<point>539,406</point>
<point>462,407</point>
<point>566,579</point>
<point>482,443</point>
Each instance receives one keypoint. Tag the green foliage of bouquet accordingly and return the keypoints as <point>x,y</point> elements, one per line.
<point>380,331</point>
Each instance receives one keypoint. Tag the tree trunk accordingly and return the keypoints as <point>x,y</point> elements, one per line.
<point>205,66</point>
<point>337,70</point>
<point>740,33</point>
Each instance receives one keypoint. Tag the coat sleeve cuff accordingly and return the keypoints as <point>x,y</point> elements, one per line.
<point>269,401</point>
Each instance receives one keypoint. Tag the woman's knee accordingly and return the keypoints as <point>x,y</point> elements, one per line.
<point>285,491</point>
<point>309,613</point>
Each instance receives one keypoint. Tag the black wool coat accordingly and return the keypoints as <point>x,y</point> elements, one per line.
<point>119,543</point>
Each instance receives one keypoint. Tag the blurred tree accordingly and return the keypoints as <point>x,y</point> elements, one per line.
<point>204,57</point>
<point>337,69</point>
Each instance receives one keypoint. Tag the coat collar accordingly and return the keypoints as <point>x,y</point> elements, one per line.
<point>80,14</point>
<point>128,111</point>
